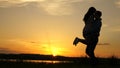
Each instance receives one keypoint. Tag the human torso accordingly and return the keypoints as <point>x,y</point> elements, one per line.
<point>92,28</point>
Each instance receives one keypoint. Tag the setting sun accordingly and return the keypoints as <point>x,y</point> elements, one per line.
<point>49,27</point>
<point>52,49</point>
<point>55,51</point>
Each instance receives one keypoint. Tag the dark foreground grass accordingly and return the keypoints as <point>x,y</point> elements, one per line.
<point>111,62</point>
<point>52,65</point>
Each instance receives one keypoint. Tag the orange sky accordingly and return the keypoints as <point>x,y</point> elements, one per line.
<point>50,26</point>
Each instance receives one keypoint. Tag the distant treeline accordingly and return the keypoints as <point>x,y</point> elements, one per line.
<point>36,57</point>
<point>82,60</point>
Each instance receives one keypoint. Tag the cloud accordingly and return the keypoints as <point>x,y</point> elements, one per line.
<point>105,25</point>
<point>6,50</point>
<point>16,3</point>
<point>52,7</point>
<point>115,29</point>
<point>103,43</point>
<point>118,3</point>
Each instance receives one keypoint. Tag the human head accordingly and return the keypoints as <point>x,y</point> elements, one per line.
<point>90,11</point>
<point>98,14</point>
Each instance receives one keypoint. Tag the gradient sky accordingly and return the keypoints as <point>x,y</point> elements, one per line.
<point>50,26</point>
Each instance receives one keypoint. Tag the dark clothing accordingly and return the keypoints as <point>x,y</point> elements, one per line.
<point>96,27</point>
<point>91,44</point>
<point>88,24</point>
<point>91,33</point>
<point>92,28</point>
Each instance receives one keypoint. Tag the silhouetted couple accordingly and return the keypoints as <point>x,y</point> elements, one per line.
<point>92,20</point>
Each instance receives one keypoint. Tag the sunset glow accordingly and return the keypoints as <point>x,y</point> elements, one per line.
<point>50,26</point>
<point>55,51</point>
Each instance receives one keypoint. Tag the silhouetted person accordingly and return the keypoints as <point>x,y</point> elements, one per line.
<point>91,31</point>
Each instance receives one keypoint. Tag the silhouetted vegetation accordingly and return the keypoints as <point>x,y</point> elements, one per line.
<point>34,57</point>
<point>72,62</point>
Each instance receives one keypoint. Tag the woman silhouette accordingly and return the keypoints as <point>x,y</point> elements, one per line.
<point>91,31</point>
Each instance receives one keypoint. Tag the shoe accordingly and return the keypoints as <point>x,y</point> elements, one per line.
<point>76,40</point>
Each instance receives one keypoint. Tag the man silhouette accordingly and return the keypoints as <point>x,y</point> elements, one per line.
<point>91,31</point>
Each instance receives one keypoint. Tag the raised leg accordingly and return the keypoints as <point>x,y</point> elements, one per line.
<point>76,40</point>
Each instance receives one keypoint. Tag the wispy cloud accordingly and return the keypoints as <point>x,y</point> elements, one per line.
<point>118,3</point>
<point>115,29</point>
<point>53,7</point>
<point>105,25</point>
<point>6,50</point>
<point>103,43</point>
